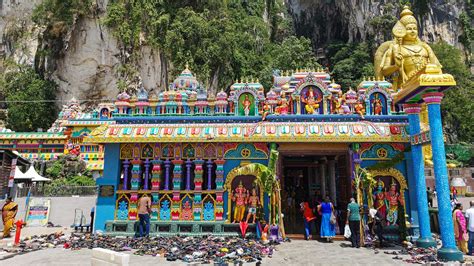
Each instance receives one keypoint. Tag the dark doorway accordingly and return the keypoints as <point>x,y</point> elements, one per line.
<point>301,179</point>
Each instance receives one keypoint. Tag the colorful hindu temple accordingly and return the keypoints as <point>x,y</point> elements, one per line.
<point>186,148</point>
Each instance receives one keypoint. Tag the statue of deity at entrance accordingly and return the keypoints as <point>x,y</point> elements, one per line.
<point>394,199</point>
<point>240,199</point>
<point>253,202</point>
<point>380,202</point>
<point>406,56</point>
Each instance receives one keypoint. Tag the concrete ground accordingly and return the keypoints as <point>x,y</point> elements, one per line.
<point>298,252</point>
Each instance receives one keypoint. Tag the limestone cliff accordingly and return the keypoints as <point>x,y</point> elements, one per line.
<point>85,67</point>
<point>325,21</point>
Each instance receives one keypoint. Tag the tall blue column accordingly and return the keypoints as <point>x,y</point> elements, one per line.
<point>448,251</point>
<point>425,239</point>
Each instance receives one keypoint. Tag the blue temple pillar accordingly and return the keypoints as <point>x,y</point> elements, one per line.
<point>105,207</point>
<point>425,240</point>
<point>448,251</point>
<point>412,202</point>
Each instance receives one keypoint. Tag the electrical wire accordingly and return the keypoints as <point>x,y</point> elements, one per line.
<point>53,101</point>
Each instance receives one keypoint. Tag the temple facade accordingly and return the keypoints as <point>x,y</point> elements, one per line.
<point>182,148</point>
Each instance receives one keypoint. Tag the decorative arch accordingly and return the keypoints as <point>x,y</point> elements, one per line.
<point>394,173</point>
<point>238,97</point>
<point>126,151</point>
<point>228,185</point>
<point>147,151</point>
<point>308,82</point>
<point>386,101</point>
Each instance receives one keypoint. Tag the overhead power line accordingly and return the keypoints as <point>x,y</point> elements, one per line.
<point>52,101</point>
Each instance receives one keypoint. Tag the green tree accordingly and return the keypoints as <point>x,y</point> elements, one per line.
<point>22,89</point>
<point>458,103</point>
<point>350,63</point>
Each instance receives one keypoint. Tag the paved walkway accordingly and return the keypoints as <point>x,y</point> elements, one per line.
<point>298,252</point>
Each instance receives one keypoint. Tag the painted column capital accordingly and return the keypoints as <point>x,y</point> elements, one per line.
<point>412,108</point>
<point>433,97</point>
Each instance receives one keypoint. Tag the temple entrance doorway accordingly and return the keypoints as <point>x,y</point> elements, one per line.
<point>311,176</point>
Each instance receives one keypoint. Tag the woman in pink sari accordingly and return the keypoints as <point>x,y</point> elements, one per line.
<point>460,231</point>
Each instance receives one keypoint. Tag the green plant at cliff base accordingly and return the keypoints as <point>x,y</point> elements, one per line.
<point>21,87</point>
<point>350,63</point>
<point>458,106</point>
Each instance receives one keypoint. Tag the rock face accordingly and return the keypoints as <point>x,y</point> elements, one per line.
<point>19,36</point>
<point>90,56</point>
<point>350,20</point>
<point>86,71</point>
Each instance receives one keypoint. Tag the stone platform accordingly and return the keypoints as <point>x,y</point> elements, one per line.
<point>171,228</point>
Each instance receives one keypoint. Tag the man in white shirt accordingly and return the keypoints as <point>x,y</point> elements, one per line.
<point>470,221</point>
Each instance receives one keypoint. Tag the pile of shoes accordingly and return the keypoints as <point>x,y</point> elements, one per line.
<point>419,255</point>
<point>35,242</point>
<point>204,249</point>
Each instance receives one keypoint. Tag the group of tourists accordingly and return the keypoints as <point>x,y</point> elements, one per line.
<point>325,212</point>
<point>328,222</point>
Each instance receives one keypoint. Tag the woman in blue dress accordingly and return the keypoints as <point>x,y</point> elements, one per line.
<point>328,229</point>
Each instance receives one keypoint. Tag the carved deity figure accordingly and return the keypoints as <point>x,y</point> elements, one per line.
<point>253,201</point>
<point>406,56</point>
<point>377,105</point>
<point>394,199</point>
<point>283,107</point>
<point>266,111</point>
<point>360,108</point>
<point>312,103</point>
<point>187,211</point>
<point>247,104</point>
<point>337,103</point>
<point>345,108</point>
<point>380,202</point>
<point>240,199</point>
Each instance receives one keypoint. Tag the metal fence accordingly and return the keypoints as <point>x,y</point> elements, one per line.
<point>56,191</point>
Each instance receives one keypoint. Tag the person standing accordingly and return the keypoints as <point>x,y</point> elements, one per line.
<point>328,219</point>
<point>470,227</point>
<point>430,196</point>
<point>144,209</point>
<point>9,210</point>
<point>455,194</point>
<point>460,230</point>
<point>92,219</point>
<point>308,219</point>
<point>353,219</point>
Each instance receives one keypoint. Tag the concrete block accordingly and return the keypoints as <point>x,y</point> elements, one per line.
<point>106,257</point>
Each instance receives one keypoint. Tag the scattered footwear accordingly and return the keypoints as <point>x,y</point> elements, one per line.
<point>202,250</point>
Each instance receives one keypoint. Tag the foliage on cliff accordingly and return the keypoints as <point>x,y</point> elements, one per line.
<point>220,40</point>
<point>20,87</point>
<point>458,105</point>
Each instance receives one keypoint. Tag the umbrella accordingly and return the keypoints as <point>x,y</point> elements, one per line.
<point>243,228</point>
<point>19,175</point>
<point>35,177</point>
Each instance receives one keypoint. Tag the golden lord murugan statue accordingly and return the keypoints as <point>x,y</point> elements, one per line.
<point>406,56</point>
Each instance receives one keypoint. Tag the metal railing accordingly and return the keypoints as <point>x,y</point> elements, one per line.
<point>57,191</point>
